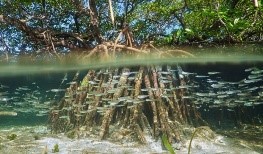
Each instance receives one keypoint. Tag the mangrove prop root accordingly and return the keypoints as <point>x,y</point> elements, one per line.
<point>144,100</point>
<point>105,123</point>
<point>107,50</point>
<point>153,106</point>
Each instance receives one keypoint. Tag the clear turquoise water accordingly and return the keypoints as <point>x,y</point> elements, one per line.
<point>227,91</point>
<point>31,90</point>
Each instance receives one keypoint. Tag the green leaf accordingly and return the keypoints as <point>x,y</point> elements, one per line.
<point>236,21</point>
<point>167,144</point>
<point>188,30</point>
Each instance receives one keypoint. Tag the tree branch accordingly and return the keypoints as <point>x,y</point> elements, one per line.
<point>95,21</point>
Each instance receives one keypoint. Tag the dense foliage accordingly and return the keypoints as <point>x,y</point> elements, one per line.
<point>53,26</point>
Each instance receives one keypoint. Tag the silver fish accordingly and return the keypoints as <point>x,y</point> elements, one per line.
<point>216,85</point>
<point>250,69</point>
<point>57,90</point>
<point>201,76</point>
<point>252,80</point>
<point>213,73</point>
<point>143,96</point>
<point>257,71</point>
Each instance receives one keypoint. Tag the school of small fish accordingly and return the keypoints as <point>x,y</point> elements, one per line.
<point>202,89</point>
<point>28,99</point>
<point>214,92</point>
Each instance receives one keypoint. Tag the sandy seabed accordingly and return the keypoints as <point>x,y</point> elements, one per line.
<point>38,140</point>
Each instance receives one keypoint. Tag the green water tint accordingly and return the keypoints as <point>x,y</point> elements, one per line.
<point>24,69</point>
<point>221,88</point>
<point>249,135</point>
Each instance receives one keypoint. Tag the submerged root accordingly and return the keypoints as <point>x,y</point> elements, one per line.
<point>142,100</point>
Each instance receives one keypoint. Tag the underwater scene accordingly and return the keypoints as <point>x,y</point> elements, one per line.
<point>203,106</point>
